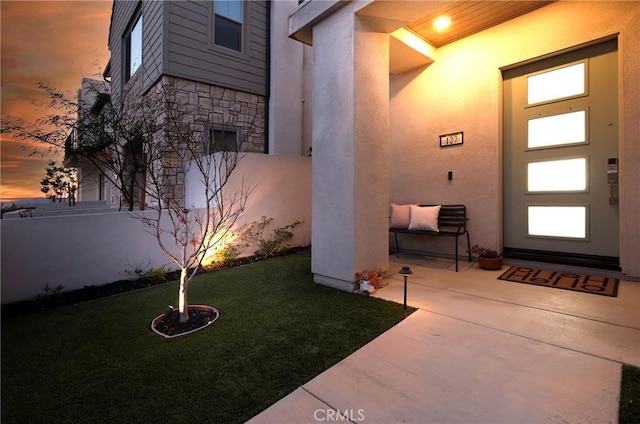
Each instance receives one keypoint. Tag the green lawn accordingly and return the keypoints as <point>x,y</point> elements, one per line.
<point>630,395</point>
<point>99,361</point>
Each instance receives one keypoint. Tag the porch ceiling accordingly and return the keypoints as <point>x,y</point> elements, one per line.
<point>467,17</point>
<point>470,17</point>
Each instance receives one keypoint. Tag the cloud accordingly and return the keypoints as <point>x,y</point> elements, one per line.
<point>52,42</point>
<point>6,164</point>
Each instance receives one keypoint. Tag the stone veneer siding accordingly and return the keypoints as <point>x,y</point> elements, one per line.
<point>220,106</point>
<point>209,107</point>
<point>214,107</point>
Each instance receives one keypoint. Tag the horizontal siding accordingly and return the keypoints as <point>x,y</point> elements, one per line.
<point>205,68</point>
<point>120,18</point>
<point>152,14</point>
<point>177,41</point>
<point>259,29</point>
<point>152,52</point>
<point>251,82</point>
<point>192,55</point>
<point>187,51</point>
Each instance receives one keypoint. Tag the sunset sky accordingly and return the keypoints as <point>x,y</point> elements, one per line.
<point>53,42</point>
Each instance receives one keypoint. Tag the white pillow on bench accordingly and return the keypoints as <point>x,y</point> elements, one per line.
<point>424,218</point>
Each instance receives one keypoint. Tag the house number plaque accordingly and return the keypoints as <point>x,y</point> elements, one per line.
<point>453,139</point>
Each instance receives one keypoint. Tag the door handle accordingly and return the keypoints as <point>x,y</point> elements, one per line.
<point>612,180</point>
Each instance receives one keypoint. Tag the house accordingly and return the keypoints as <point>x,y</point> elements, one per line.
<point>91,97</point>
<point>545,170</point>
<point>219,58</point>
<point>231,60</point>
<point>380,95</point>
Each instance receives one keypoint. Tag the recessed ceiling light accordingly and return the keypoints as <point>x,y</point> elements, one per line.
<point>441,23</point>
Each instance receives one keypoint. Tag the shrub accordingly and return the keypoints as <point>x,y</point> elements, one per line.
<point>150,275</point>
<point>483,252</point>
<point>50,291</point>
<point>226,254</point>
<point>268,243</point>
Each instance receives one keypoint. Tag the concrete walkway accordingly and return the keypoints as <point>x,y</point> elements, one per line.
<point>479,350</point>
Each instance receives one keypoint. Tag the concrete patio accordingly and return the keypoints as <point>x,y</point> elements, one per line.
<point>480,350</point>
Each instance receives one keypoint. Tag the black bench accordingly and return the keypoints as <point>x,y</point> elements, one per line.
<point>452,222</point>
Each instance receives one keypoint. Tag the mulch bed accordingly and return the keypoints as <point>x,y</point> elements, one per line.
<point>170,325</point>
<point>71,297</point>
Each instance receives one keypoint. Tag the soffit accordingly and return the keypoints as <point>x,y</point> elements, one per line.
<point>470,17</point>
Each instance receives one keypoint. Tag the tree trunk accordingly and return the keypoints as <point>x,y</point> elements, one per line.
<point>183,304</point>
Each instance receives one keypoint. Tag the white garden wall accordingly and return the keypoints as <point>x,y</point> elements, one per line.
<point>73,250</point>
<point>93,249</point>
<point>281,190</point>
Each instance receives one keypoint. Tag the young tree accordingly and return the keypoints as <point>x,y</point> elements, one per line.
<point>93,128</point>
<point>187,229</point>
<point>147,146</point>
<point>58,182</point>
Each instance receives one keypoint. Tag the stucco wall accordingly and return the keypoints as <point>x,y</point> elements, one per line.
<point>74,251</point>
<point>94,249</point>
<point>461,91</point>
<point>350,148</point>
<point>281,189</point>
<point>286,86</point>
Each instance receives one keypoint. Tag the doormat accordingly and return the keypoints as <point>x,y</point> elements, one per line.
<point>603,286</point>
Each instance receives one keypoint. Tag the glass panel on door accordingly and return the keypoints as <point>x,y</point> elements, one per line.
<point>557,175</point>
<point>557,221</point>
<point>564,82</point>
<point>557,130</point>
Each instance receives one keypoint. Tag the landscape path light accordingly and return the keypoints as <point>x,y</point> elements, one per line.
<point>406,272</point>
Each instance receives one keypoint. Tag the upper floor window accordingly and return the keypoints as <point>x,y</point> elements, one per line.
<point>133,48</point>
<point>228,24</point>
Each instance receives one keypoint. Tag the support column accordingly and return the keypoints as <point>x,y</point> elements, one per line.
<point>350,149</point>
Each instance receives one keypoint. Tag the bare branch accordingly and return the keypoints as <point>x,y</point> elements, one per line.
<point>146,145</point>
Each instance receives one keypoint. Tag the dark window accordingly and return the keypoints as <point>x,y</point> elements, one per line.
<point>223,141</point>
<point>228,24</point>
<point>101,183</point>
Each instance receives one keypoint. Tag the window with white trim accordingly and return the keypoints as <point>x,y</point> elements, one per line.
<point>133,47</point>
<point>227,24</point>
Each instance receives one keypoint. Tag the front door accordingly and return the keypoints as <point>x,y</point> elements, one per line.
<point>560,157</point>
